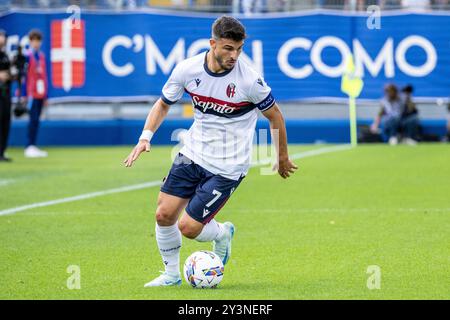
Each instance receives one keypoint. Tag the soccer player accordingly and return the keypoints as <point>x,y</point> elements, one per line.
<point>226,94</point>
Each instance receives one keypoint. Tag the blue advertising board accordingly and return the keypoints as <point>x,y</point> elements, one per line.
<point>129,56</point>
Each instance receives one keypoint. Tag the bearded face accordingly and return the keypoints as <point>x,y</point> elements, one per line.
<point>226,52</point>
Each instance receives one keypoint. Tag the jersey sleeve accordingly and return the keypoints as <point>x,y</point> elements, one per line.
<point>261,95</point>
<point>174,87</point>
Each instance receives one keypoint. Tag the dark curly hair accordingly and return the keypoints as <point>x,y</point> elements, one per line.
<point>226,27</point>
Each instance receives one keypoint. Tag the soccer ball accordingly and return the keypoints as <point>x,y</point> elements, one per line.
<point>203,269</point>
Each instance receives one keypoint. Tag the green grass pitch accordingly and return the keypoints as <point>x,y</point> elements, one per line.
<point>312,236</point>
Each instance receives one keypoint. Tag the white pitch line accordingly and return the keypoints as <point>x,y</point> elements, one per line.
<point>80,197</point>
<point>150,184</point>
<point>306,154</point>
<point>316,152</point>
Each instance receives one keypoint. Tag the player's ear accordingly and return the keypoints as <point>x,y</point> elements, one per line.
<point>212,43</point>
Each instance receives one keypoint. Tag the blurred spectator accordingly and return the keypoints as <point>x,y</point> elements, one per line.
<point>5,97</point>
<point>393,118</point>
<point>389,114</point>
<point>18,73</point>
<point>395,4</point>
<point>410,116</point>
<point>333,4</point>
<point>177,3</point>
<point>91,4</point>
<point>37,88</point>
<point>440,4</point>
<point>119,4</point>
<point>247,6</point>
<point>253,6</point>
<point>356,5</point>
<point>421,5</point>
<point>221,5</point>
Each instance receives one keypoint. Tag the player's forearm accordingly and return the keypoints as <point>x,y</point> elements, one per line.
<point>156,116</point>
<point>279,135</point>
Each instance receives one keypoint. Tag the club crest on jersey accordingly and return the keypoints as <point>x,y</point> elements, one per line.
<point>231,90</point>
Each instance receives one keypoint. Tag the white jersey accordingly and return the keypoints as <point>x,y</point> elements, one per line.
<point>221,138</point>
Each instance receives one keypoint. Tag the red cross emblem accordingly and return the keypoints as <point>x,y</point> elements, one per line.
<point>68,54</point>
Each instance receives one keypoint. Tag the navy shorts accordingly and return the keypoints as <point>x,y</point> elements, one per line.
<point>207,192</point>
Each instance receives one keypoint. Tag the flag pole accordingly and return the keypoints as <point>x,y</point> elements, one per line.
<point>353,131</point>
<point>352,85</point>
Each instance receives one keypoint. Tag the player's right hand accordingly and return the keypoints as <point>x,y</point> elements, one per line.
<point>143,145</point>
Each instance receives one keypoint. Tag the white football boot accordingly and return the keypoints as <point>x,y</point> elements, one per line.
<point>222,247</point>
<point>393,141</point>
<point>35,152</point>
<point>165,280</point>
<point>410,142</point>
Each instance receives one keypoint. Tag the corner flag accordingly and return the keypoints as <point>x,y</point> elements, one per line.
<point>352,85</point>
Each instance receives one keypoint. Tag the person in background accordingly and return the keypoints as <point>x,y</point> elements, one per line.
<point>392,106</point>
<point>417,5</point>
<point>410,117</point>
<point>440,4</point>
<point>250,7</point>
<point>5,98</point>
<point>18,72</point>
<point>36,87</point>
<point>398,115</point>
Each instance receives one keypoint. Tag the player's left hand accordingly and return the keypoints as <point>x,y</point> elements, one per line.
<point>285,168</point>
